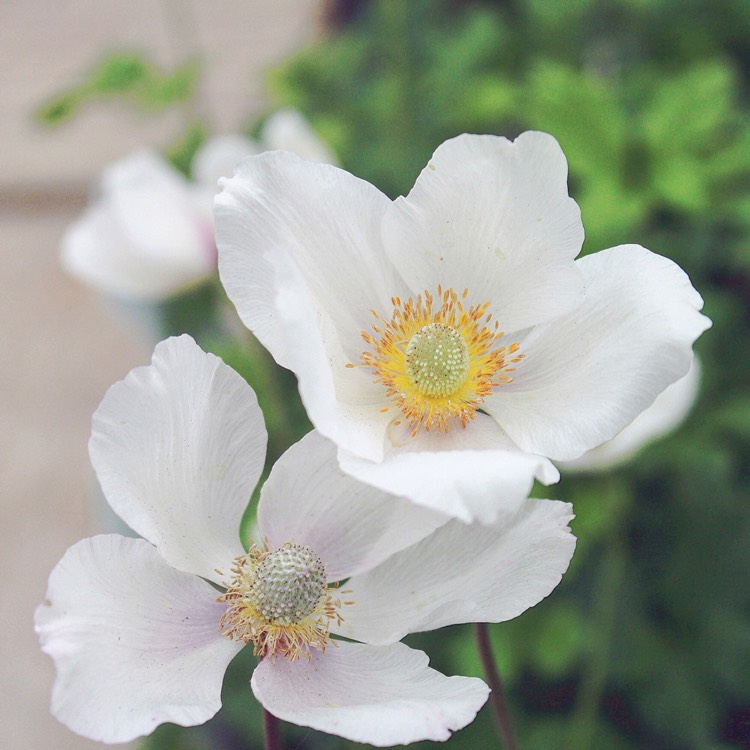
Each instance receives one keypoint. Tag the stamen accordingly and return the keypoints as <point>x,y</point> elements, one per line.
<point>438,364</point>
<point>279,601</point>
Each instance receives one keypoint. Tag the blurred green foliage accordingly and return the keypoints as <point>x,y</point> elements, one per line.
<point>123,75</point>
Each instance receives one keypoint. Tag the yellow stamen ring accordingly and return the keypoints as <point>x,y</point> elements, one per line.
<point>279,601</point>
<point>437,359</point>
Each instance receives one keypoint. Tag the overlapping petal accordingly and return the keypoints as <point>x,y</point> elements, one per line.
<point>472,473</point>
<point>666,413</point>
<point>590,372</point>
<point>135,642</point>
<point>351,526</point>
<point>463,573</point>
<point>382,696</point>
<point>492,216</point>
<point>178,447</point>
<point>278,207</point>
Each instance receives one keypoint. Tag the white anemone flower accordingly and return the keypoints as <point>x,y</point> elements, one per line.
<point>448,341</point>
<point>666,414</point>
<point>149,234</point>
<point>142,630</point>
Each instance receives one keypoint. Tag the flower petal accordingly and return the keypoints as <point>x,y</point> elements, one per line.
<point>383,696</point>
<point>589,373</point>
<point>135,642</point>
<point>178,447</point>
<point>463,573</point>
<point>344,403</point>
<point>352,527</point>
<point>277,207</point>
<point>494,217</point>
<point>470,473</point>
<point>666,413</point>
<point>146,235</point>
<point>219,156</point>
<point>288,130</point>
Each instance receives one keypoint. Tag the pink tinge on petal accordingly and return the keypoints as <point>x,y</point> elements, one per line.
<point>135,642</point>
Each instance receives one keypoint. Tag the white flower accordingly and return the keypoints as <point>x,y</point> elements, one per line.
<point>448,342</point>
<point>149,232</point>
<point>666,414</point>
<point>142,630</point>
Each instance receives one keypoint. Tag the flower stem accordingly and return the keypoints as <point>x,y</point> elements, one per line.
<point>272,728</point>
<point>603,618</point>
<point>497,696</point>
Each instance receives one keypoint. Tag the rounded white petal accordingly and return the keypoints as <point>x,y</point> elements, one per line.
<point>277,207</point>
<point>379,695</point>
<point>352,527</point>
<point>589,373</point>
<point>146,235</point>
<point>494,217</point>
<point>178,447</point>
<point>135,642</point>
<point>219,156</point>
<point>288,130</point>
<point>463,573</point>
<point>471,473</point>
<point>301,258</point>
<point>666,413</point>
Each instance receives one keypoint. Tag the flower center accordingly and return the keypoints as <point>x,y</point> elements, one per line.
<point>279,601</point>
<point>438,358</point>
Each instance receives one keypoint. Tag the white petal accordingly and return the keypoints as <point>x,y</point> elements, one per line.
<point>494,217</point>
<point>288,130</point>
<point>664,415</point>
<point>589,373</point>
<point>278,207</point>
<point>474,473</point>
<point>463,573</point>
<point>352,527</point>
<point>344,403</point>
<point>145,236</point>
<point>135,642</point>
<point>219,156</point>
<point>178,448</point>
<point>379,695</point>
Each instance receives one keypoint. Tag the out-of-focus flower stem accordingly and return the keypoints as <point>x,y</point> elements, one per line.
<point>583,722</point>
<point>497,696</point>
<point>272,730</point>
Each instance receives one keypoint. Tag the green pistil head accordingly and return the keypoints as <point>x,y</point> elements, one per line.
<point>437,360</point>
<point>288,584</point>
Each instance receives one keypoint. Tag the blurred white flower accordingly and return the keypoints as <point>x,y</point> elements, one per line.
<point>448,342</point>
<point>139,636</point>
<point>667,412</point>
<point>149,232</point>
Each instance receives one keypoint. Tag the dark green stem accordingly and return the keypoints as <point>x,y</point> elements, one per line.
<point>497,696</point>
<point>272,729</point>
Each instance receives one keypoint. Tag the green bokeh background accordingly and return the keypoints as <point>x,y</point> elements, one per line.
<point>646,644</point>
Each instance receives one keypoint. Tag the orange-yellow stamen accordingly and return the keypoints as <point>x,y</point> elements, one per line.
<point>279,601</point>
<point>437,359</point>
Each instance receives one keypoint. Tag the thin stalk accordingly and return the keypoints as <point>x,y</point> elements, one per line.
<point>272,729</point>
<point>497,696</point>
<point>582,732</point>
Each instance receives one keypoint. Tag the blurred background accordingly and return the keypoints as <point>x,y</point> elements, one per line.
<point>646,644</point>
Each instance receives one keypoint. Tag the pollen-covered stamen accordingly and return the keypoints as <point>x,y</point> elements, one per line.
<point>437,358</point>
<point>279,601</point>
